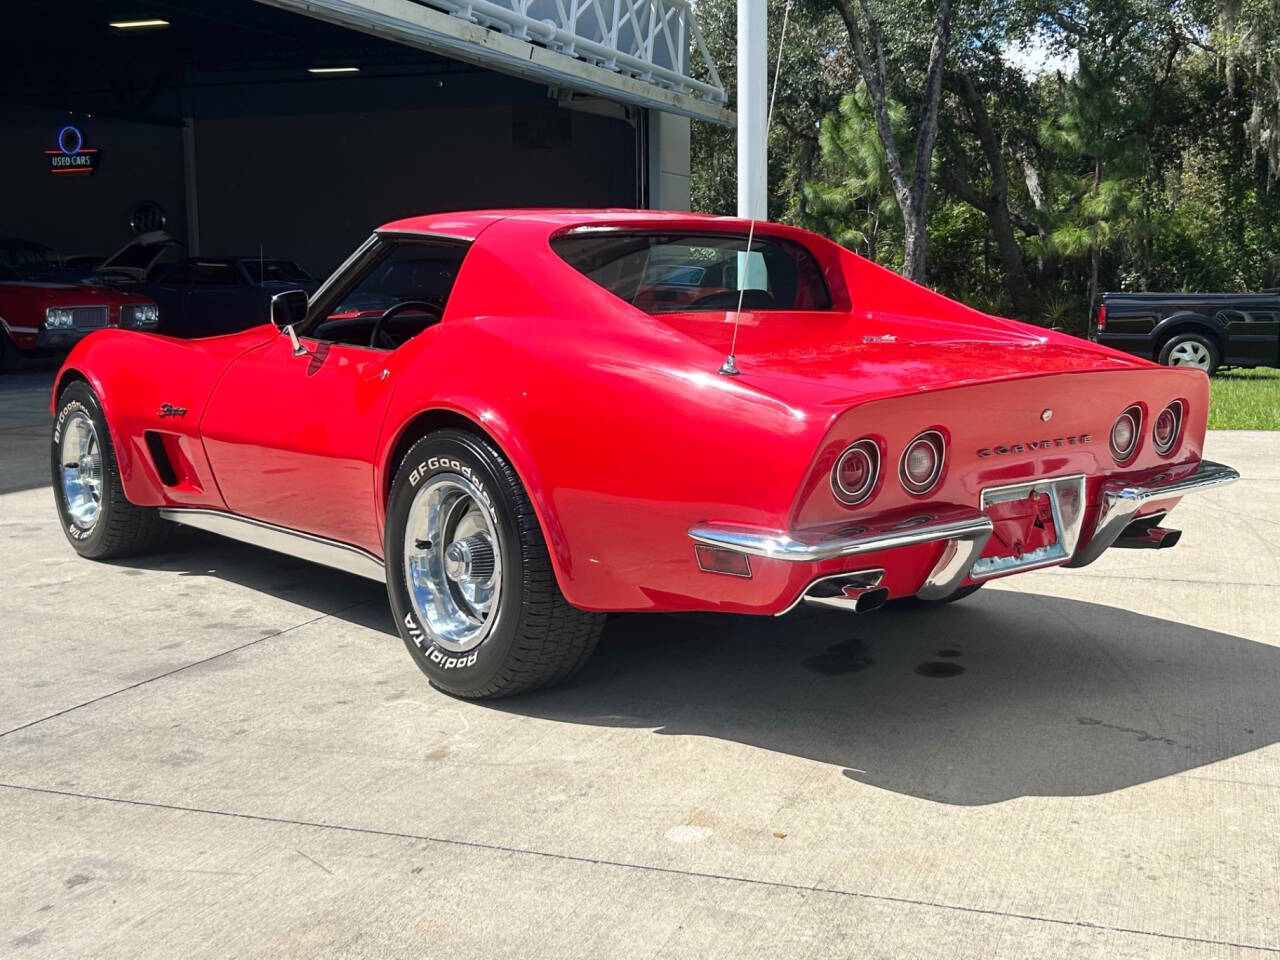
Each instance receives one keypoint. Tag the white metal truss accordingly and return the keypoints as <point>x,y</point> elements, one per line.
<point>650,40</point>
<point>637,51</point>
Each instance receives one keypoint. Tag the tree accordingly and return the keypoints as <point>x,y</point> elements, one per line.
<point>1248,35</point>
<point>992,196</point>
<point>854,201</point>
<point>1092,130</point>
<point>867,40</point>
<point>1146,161</point>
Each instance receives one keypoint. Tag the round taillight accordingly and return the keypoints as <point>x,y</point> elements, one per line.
<point>1124,434</point>
<point>921,464</point>
<point>855,474</point>
<point>1164,435</point>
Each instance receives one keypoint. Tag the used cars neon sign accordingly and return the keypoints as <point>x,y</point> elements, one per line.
<point>72,156</point>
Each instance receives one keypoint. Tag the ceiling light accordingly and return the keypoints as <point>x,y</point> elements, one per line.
<point>333,69</point>
<point>137,24</point>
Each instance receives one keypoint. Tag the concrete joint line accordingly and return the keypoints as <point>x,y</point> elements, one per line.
<point>647,868</point>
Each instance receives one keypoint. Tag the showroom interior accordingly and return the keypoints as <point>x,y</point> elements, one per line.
<point>290,129</point>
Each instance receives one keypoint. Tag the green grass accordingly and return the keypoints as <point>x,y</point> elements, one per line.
<point>1245,400</point>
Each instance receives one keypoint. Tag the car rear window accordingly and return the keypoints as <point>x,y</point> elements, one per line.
<point>679,272</point>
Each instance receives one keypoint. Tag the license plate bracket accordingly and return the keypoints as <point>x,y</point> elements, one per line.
<point>1037,525</point>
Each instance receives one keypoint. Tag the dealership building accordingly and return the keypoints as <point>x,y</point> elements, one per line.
<point>292,127</point>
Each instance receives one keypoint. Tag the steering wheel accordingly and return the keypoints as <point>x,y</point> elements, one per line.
<point>379,337</point>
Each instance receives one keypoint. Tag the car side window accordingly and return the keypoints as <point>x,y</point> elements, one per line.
<point>411,277</point>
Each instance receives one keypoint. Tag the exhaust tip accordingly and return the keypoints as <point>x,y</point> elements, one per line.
<point>1142,535</point>
<point>871,599</point>
<point>858,592</point>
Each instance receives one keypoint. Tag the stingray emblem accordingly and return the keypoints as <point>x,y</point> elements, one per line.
<point>169,410</point>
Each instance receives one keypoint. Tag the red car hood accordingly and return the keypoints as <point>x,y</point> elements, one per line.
<point>846,356</point>
<point>56,293</point>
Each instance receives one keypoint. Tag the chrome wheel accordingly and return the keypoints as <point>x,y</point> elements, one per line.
<point>453,562</point>
<point>1190,353</point>
<point>81,460</point>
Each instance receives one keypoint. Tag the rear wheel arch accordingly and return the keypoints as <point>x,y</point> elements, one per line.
<point>445,418</point>
<point>1187,323</point>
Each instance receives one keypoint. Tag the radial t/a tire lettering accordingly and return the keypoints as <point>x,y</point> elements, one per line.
<point>470,581</point>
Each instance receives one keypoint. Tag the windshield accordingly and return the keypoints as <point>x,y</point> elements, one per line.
<point>146,252</point>
<point>276,271</point>
<point>135,257</point>
<point>24,259</point>
<point>670,272</point>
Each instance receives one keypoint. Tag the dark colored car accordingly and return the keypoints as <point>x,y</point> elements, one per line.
<point>202,296</point>
<point>1203,330</point>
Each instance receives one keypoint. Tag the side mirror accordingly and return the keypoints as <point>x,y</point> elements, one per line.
<point>289,308</point>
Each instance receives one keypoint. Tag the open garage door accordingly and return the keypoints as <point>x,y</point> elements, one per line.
<point>247,128</point>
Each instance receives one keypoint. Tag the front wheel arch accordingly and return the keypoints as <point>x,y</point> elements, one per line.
<point>68,376</point>
<point>65,379</point>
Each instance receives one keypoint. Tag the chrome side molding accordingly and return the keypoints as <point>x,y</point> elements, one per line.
<point>295,543</point>
<point>1120,503</point>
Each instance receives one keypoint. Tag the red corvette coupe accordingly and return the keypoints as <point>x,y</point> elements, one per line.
<point>523,420</point>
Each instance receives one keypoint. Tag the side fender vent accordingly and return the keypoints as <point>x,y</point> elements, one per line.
<point>160,458</point>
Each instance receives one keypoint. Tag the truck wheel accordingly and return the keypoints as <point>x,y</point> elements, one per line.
<point>98,519</point>
<point>469,577</point>
<point>1191,350</point>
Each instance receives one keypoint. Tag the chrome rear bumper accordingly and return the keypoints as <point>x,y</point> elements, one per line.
<point>1121,503</point>
<point>964,530</point>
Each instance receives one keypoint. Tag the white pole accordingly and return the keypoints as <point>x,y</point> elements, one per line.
<point>753,69</point>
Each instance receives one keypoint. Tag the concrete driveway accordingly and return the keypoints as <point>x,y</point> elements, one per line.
<point>221,752</point>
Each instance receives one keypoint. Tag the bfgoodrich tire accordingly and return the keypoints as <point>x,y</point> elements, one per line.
<point>1191,350</point>
<point>97,518</point>
<point>469,577</point>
